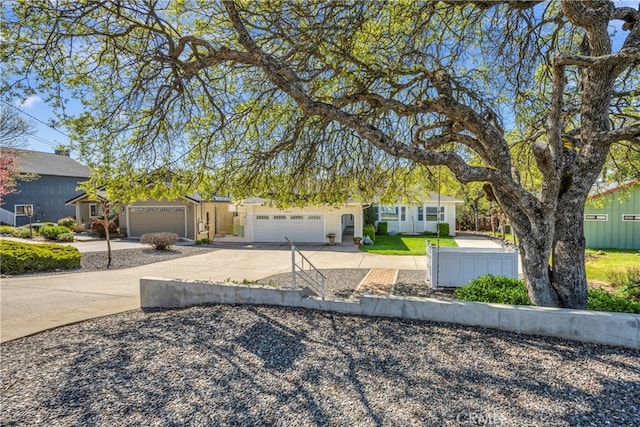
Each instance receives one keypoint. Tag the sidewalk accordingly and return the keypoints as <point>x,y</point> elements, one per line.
<point>31,304</point>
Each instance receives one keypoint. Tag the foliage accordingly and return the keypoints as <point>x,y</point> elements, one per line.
<point>68,222</point>
<point>6,229</point>
<point>97,226</point>
<point>382,228</point>
<point>159,241</point>
<point>204,241</point>
<point>443,228</point>
<point>405,245</point>
<point>13,130</point>
<point>601,300</point>
<point>21,232</point>
<point>505,290</point>
<point>16,257</point>
<point>66,237</point>
<point>626,282</point>
<point>369,230</point>
<point>52,232</point>
<point>494,289</point>
<point>338,101</point>
<point>369,215</point>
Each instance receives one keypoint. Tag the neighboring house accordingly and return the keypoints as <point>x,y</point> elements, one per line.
<point>612,218</point>
<point>189,216</point>
<point>259,222</point>
<point>420,217</point>
<point>58,176</point>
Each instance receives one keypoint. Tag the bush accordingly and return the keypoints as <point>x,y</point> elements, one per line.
<point>204,241</point>
<point>504,290</point>
<point>21,232</point>
<point>369,230</point>
<point>68,222</point>
<point>382,228</point>
<point>6,229</point>
<point>159,241</point>
<point>66,237</point>
<point>601,300</point>
<point>495,289</point>
<point>97,226</point>
<point>52,232</point>
<point>369,216</point>
<point>17,257</point>
<point>443,228</point>
<point>626,282</point>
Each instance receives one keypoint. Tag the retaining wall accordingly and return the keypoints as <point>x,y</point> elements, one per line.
<point>592,326</point>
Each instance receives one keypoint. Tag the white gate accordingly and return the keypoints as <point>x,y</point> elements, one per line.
<point>455,267</point>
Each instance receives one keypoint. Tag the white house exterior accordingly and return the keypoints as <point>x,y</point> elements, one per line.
<point>256,221</point>
<point>420,217</point>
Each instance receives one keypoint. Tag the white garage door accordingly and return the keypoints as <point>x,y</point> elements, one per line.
<point>155,219</point>
<point>297,227</point>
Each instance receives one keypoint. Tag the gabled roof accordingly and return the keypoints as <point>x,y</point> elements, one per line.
<point>600,189</point>
<point>49,164</point>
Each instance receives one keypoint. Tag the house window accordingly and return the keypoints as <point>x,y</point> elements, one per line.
<point>631,217</point>
<point>262,217</point>
<point>388,213</point>
<point>279,217</point>
<point>316,217</point>
<point>95,210</point>
<point>420,213</point>
<point>596,217</point>
<point>403,213</point>
<point>297,217</point>
<point>23,210</point>
<point>432,213</point>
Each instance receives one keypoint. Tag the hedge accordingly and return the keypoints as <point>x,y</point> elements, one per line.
<point>382,228</point>
<point>369,230</point>
<point>52,232</point>
<point>443,228</point>
<point>17,257</point>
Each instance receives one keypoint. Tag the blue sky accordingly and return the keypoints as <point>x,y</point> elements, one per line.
<point>46,138</point>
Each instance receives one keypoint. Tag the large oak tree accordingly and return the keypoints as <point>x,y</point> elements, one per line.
<point>324,100</point>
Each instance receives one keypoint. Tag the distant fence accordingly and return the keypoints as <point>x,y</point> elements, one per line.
<point>7,217</point>
<point>454,267</point>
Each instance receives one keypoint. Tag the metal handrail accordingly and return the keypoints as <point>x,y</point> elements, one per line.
<point>312,276</point>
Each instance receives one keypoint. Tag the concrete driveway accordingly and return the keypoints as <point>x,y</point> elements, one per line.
<point>32,304</point>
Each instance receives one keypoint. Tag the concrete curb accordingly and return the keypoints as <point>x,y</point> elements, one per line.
<point>620,329</point>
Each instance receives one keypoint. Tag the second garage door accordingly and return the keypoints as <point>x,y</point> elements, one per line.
<point>297,227</point>
<point>155,219</point>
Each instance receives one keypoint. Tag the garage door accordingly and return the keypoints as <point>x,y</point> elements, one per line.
<point>154,219</point>
<point>298,228</point>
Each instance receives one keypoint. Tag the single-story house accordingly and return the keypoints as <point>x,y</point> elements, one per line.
<point>189,216</point>
<point>612,217</point>
<point>56,177</point>
<point>419,217</point>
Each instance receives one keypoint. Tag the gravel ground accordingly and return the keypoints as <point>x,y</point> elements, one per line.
<point>259,366</point>
<point>341,283</point>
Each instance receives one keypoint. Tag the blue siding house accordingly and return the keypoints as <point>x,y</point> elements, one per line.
<point>612,218</point>
<point>58,176</point>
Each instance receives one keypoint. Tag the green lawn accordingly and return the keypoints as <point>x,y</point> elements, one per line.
<point>599,267</point>
<point>405,245</point>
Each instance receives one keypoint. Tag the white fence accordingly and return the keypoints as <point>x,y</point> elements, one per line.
<point>7,217</point>
<point>454,267</point>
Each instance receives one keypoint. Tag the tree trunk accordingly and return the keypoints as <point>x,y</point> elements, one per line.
<point>569,276</point>
<point>535,266</point>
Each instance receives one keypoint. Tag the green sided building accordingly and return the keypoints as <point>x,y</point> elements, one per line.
<point>612,218</point>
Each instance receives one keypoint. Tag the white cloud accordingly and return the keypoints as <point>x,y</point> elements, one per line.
<point>30,102</point>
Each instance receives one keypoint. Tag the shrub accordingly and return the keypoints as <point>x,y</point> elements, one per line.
<point>495,289</point>
<point>17,257</point>
<point>601,300</point>
<point>68,222</point>
<point>443,228</point>
<point>97,226</point>
<point>626,282</point>
<point>369,230</point>
<point>369,216</point>
<point>159,241</point>
<point>382,228</point>
<point>65,237</point>
<point>52,232</point>
<point>22,232</point>
<point>6,229</point>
